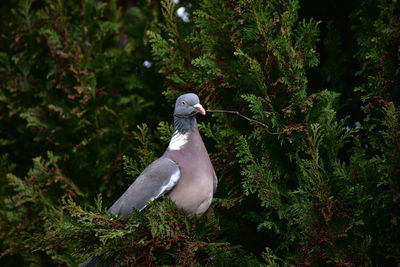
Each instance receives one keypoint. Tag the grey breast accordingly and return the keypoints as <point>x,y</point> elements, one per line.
<point>195,189</point>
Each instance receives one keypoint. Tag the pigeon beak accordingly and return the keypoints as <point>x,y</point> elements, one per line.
<point>199,108</point>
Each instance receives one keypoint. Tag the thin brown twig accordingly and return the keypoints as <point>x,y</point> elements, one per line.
<point>244,117</point>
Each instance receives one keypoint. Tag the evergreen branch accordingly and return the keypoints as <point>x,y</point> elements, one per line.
<point>114,223</point>
<point>244,117</point>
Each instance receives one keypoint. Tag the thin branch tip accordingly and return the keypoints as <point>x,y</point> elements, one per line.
<point>244,117</point>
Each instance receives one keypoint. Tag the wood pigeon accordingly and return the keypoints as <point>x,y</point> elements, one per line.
<point>184,172</point>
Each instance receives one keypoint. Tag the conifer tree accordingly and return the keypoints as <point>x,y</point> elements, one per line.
<point>71,88</point>
<point>80,116</point>
<point>310,207</point>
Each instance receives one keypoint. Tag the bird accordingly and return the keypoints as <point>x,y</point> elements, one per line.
<point>184,172</point>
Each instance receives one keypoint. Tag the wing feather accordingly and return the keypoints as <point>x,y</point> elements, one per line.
<point>215,183</point>
<point>156,180</point>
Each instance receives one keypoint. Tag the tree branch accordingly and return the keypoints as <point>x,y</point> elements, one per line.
<point>244,117</point>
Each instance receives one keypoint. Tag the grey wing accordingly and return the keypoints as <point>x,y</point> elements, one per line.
<point>156,180</point>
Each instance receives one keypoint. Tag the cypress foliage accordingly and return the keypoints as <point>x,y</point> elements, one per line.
<point>72,87</point>
<point>80,116</point>
<point>309,207</point>
<point>377,166</point>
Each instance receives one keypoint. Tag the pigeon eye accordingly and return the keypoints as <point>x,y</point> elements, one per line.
<point>183,102</point>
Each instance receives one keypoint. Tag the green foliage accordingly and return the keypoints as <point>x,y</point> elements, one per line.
<point>309,208</point>
<point>72,82</point>
<point>161,235</point>
<point>145,151</point>
<point>79,112</point>
<point>70,88</point>
<point>27,203</point>
<point>377,39</point>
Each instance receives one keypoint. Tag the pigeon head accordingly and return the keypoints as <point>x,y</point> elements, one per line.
<point>187,106</point>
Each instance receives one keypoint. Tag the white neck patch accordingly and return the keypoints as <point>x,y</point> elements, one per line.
<point>178,140</point>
